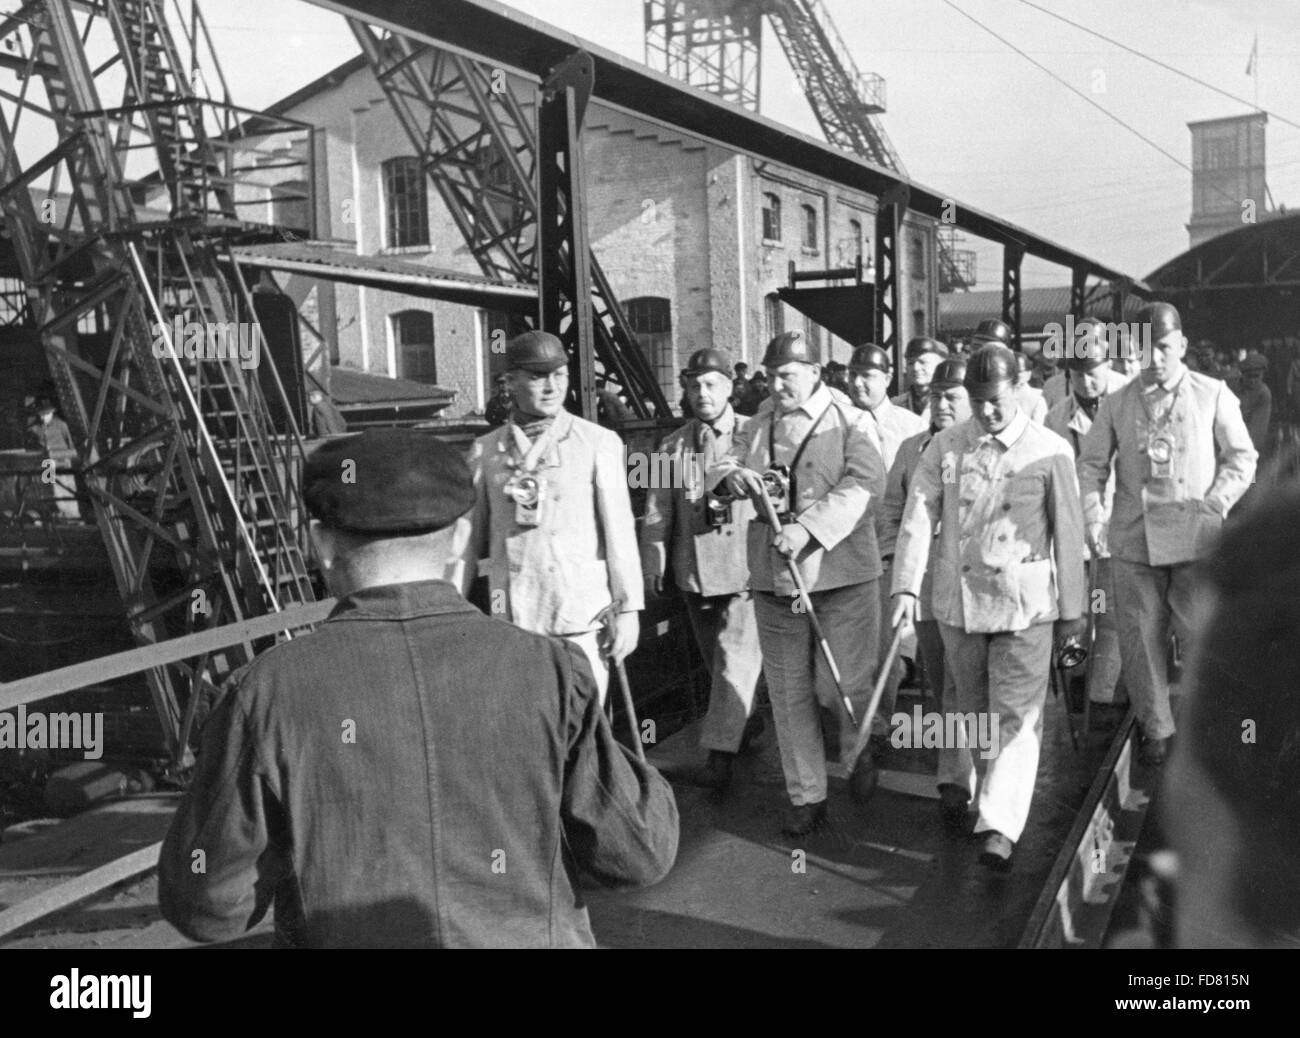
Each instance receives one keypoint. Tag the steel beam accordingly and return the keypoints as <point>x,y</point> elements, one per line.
<point>1012,257</point>
<point>889,222</point>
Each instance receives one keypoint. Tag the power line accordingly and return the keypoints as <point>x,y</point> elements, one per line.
<point>1079,93</point>
<point>1158,62</point>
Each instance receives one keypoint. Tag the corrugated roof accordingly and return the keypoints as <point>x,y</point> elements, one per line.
<point>349,386</point>
<point>961,312</point>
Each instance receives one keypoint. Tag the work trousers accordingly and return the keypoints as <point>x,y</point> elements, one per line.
<point>956,768</point>
<point>727,633</point>
<point>1104,663</point>
<point>889,697</point>
<point>589,643</point>
<point>1150,602</point>
<point>798,679</point>
<point>1003,675</point>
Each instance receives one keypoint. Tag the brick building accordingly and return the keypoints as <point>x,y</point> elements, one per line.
<point>695,240</point>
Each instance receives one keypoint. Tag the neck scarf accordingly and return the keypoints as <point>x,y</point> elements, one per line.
<point>531,425</point>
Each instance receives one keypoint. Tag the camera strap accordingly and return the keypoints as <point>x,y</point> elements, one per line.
<point>794,462</point>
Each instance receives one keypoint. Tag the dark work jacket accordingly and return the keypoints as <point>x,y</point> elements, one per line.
<point>411,774</point>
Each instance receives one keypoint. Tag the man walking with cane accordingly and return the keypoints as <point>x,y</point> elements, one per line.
<point>815,460</point>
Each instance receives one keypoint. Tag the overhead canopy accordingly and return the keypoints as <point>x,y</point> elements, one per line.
<point>322,260</point>
<point>848,311</point>
<point>498,34</point>
<point>1254,255</point>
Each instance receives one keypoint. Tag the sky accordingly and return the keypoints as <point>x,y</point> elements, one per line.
<point>968,116</point>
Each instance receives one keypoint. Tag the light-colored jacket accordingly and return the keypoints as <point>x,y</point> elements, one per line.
<point>1010,547</point>
<point>840,478</point>
<point>555,577</point>
<point>895,424</point>
<point>890,514</point>
<point>705,560</point>
<point>1162,522</point>
<point>1070,422</point>
<point>1032,403</point>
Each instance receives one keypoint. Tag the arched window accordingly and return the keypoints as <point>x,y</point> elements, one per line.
<point>413,339</point>
<point>852,244</point>
<point>651,318</point>
<point>771,217</point>
<point>774,310</point>
<point>809,227</point>
<point>406,203</point>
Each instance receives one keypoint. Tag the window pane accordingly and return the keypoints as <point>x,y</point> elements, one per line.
<point>413,337</point>
<point>406,202</point>
<point>771,218</point>
<point>809,227</point>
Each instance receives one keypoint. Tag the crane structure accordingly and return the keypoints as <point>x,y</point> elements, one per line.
<point>716,45</point>
<point>508,167</point>
<point>126,178</point>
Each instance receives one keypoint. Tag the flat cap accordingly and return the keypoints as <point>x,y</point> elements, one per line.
<point>870,357</point>
<point>705,360</point>
<point>1023,363</point>
<point>988,370</point>
<point>950,373</point>
<point>921,345</point>
<point>992,330</point>
<point>538,352</point>
<point>1254,362</point>
<point>791,346</point>
<point>1162,317</point>
<point>387,481</point>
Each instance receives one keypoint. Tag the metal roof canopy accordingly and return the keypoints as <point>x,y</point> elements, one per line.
<point>492,32</point>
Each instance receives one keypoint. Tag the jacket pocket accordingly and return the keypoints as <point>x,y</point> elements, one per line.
<point>1036,589</point>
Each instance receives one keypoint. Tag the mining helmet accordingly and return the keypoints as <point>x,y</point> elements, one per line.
<point>921,345</point>
<point>1162,317</point>
<point>992,330</point>
<point>989,371</point>
<point>1090,349</point>
<point>790,346</point>
<point>538,352</point>
<point>950,372</point>
<point>705,360</point>
<point>1023,363</point>
<point>870,357</point>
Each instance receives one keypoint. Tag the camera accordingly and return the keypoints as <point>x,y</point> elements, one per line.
<point>1072,653</point>
<point>776,481</point>
<point>717,511</point>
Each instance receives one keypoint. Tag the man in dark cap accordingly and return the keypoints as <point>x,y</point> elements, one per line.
<point>1007,580</point>
<point>921,357</point>
<point>497,411</point>
<point>412,773</point>
<point>817,458</point>
<point>552,520</point>
<point>949,405</point>
<point>1091,380</point>
<point>698,539</point>
<point>49,434</point>
<point>1181,459</point>
<point>991,332</point>
<point>751,399</point>
<point>325,418</point>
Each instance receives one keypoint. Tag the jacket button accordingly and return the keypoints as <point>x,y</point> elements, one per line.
<point>965,569</point>
<point>1006,507</point>
<point>1002,536</point>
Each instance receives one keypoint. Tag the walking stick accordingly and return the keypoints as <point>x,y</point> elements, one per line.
<point>606,618</point>
<point>882,679</point>
<point>770,511</point>
<point>1092,643</point>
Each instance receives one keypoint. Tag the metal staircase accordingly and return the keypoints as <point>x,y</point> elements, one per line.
<point>185,470</point>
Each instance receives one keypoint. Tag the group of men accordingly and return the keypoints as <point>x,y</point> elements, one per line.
<point>799,537</point>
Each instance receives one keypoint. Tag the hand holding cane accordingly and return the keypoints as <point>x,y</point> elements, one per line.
<point>765,505</point>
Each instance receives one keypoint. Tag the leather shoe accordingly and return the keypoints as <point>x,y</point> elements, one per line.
<point>802,819</point>
<point>996,851</point>
<point>863,778</point>
<point>715,774</point>
<point>953,804</point>
<point>1153,752</point>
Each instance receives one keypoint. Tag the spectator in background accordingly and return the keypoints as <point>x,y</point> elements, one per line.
<point>1231,802</point>
<point>1256,399</point>
<point>754,395</point>
<point>49,434</point>
<point>497,411</point>
<point>1293,385</point>
<point>610,408</point>
<point>326,418</point>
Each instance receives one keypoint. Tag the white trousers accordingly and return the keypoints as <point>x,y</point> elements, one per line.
<point>590,645</point>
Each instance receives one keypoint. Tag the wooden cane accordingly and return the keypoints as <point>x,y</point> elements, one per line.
<point>606,617</point>
<point>802,588</point>
<point>864,730</point>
